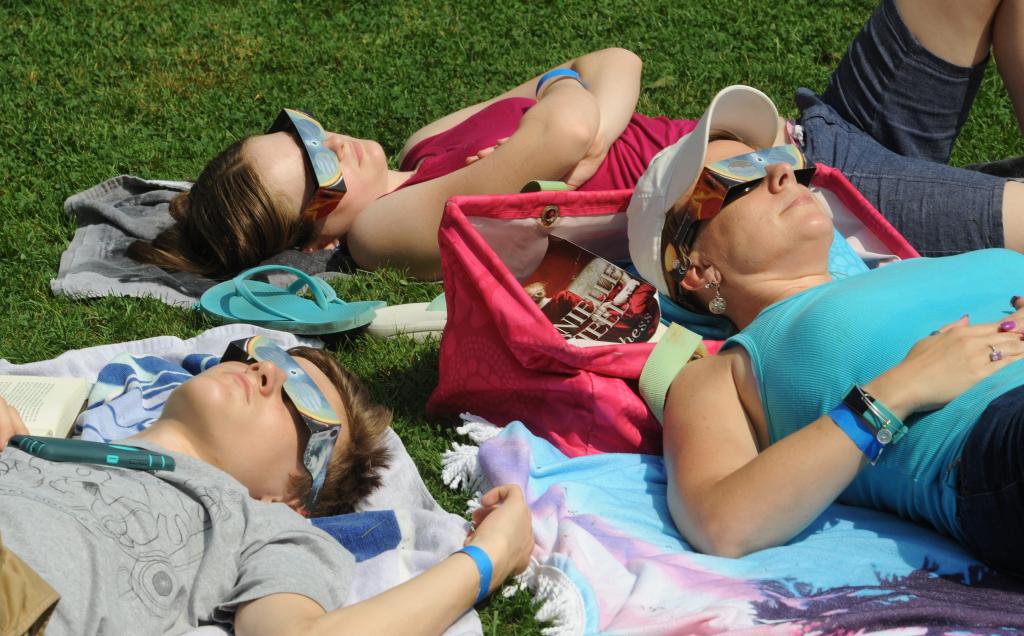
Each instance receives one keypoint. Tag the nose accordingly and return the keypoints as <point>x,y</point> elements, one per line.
<point>778,176</point>
<point>335,142</point>
<point>267,373</point>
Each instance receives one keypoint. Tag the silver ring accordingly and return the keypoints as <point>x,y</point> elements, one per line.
<point>996,354</point>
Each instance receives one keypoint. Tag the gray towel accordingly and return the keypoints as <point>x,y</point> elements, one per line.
<point>116,212</point>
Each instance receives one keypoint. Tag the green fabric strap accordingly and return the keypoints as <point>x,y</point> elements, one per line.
<point>545,186</point>
<point>667,359</point>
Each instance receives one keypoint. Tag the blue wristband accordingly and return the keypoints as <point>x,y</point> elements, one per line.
<point>558,72</point>
<point>483,565</point>
<point>865,440</point>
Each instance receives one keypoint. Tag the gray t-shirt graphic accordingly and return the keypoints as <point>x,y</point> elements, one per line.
<point>134,552</point>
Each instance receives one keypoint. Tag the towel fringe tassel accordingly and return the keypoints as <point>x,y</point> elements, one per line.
<point>477,428</point>
<point>560,603</point>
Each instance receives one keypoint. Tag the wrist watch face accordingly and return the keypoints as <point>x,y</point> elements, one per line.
<point>858,401</point>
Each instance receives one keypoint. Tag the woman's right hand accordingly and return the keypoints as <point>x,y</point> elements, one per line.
<point>945,364</point>
<point>10,423</point>
<point>504,530</point>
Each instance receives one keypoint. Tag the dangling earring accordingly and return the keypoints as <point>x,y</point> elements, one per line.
<point>717,304</point>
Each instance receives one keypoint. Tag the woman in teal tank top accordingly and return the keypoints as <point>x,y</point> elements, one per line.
<point>899,389</point>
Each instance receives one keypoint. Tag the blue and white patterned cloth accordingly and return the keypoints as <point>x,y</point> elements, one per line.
<point>130,392</point>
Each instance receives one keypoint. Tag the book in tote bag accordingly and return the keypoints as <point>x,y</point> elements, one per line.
<point>48,406</point>
<point>590,300</point>
<point>502,358</point>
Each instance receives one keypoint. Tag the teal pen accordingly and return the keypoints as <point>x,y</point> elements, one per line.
<point>76,450</point>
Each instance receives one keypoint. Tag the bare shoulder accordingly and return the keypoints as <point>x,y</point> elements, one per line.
<point>400,230</point>
<point>707,428</point>
<point>699,379</point>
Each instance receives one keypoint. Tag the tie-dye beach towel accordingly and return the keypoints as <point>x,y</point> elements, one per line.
<point>608,559</point>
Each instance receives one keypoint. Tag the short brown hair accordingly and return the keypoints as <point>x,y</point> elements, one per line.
<point>227,222</point>
<point>355,473</point>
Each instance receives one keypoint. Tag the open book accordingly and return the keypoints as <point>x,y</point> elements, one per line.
<point>588,298</point>
<point>48,406</point>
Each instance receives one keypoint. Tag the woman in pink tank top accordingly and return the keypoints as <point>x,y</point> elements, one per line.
<point>301,185</point>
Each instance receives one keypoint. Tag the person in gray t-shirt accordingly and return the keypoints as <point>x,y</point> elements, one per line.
<point>160,552</point>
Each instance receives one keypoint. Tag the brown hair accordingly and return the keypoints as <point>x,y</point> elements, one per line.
<point>227,222</point>
<point>355,473</point>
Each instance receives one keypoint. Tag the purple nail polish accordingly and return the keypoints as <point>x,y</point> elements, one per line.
<point>1007,325</point>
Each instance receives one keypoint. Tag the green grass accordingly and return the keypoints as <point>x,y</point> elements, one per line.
<point>93,89</point>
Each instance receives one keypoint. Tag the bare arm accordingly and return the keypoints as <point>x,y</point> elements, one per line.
<point>401,228</point>
<point>427,604</point>
<point>728,499</point>
<point>613,76</point>
<point>564,136</point>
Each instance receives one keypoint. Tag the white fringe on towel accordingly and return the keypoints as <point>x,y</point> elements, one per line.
<point>460,466</point>
<point>560,603</point>
<point>477,428</point>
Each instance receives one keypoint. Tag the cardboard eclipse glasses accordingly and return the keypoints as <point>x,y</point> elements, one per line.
<point>321,420</point>
<point>719,184</point>
<point>329,183</point>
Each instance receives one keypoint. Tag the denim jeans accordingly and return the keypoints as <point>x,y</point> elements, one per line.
<point>888,121</point>
<point>991,500</point>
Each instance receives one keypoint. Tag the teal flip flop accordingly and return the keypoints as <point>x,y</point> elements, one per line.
<point>243,300</point>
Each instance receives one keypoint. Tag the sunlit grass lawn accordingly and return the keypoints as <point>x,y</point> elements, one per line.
<point>95,89</point>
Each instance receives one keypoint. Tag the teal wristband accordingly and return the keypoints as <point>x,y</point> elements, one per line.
<point>558,72</point>
<point>483,565</point>
<point>891,429</point>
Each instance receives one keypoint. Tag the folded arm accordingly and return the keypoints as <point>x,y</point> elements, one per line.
<point>566,135</point>
<point>400,229</point>
<point>613,76</point>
